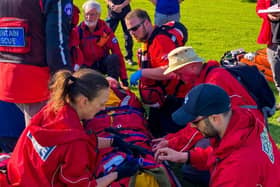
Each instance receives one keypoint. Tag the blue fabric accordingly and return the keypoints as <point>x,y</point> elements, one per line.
<point>135,77</point>
<point>167,6</point>
<point>11,120</point>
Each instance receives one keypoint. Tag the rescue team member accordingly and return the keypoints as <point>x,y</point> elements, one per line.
<point>153,62</point>
<point>190,68</point>
<point>55,150</point>
<point>33,42</point>
<point>184,62</point>
<point>244,154</point>
<point>99,45</point>
<point>117,10</point>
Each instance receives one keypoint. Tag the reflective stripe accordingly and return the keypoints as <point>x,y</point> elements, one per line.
<point>60,34</point>
<point>249,106</point>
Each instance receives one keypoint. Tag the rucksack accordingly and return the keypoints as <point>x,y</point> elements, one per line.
<point>174,30</point>
<point>231,58</point>
<point>259,59</point>
<point>256,85</point>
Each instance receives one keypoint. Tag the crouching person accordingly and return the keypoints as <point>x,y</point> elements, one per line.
<point>55,150</point>
<point>243,152</point>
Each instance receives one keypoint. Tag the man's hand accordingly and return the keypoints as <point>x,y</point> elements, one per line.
<point>274,16</point>
<point>159,143</point>
<point>171,155</point>
<point>135,77</point>
<point>113,83</point>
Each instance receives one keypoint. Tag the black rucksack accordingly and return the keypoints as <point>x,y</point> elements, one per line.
<point>174,30</point>
<point>256,85</point>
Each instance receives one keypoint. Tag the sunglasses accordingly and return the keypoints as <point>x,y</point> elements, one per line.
<point>136,27</point>
<point>196,121</point>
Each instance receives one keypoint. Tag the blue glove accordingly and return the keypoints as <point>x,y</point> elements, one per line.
<point>135,77</point>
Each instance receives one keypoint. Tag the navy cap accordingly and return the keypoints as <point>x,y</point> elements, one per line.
<point>202,100</point>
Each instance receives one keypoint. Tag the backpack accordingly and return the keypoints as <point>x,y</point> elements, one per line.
<point>256,85</point>
<point>174,30</point>
<point>231,58</point>
<point>259,59</point>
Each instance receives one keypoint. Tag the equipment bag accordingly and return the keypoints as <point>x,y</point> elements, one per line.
<point>259,59</point>
<point>174,30</point>
<point>256,85</point>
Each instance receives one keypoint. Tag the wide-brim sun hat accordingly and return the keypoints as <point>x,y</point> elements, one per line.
<point>180,57</point>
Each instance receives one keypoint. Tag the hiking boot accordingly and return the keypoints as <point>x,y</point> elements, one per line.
<point>130,62</point>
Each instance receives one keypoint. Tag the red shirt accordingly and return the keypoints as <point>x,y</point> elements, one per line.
<point>54,150</point>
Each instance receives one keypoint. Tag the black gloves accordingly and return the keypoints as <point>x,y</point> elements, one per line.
<point>129,148</point>
<point>128,168</point>
<point>118,142</point>
<point>124,82</point>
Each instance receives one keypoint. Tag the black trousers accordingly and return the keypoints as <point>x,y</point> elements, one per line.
<point>113,22</point>
<point>109,65</point>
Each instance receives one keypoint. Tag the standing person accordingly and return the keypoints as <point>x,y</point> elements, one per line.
<point>33,43</point>
<point>153,59</point>
<point>269,34</point>
<point>166,10</point>
<point>117,10</point>
<point>55,150</point>
<point>244,154</point>
<point>99,45</point>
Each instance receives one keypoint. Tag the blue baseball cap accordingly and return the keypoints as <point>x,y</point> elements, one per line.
<point>202,100</point>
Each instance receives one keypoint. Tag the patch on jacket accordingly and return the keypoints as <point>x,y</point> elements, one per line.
<point>114,40</point>
<point>43,152</point>
<point>266,145</point>
<point>68,9</point>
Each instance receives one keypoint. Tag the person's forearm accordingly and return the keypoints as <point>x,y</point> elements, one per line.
<point>125,3</point>
<point>104,142</point>
<point>106,180</point>
<point>155,73</point>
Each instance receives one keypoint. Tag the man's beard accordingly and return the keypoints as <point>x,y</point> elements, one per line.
<point>91,23</point>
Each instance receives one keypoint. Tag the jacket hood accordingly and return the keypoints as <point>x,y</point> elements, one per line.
<point>64,126</point>
<point>243,129</point>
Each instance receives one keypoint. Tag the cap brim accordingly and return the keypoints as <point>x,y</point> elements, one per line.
<point>180,117</point>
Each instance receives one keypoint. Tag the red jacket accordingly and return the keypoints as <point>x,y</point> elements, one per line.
<point>245,156</point>
<point>157,51</point>
<point>42,47</point>
<point>54,150</point>
<point>265,34</point>
<point>99,44</point>
<point>238,95</point>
